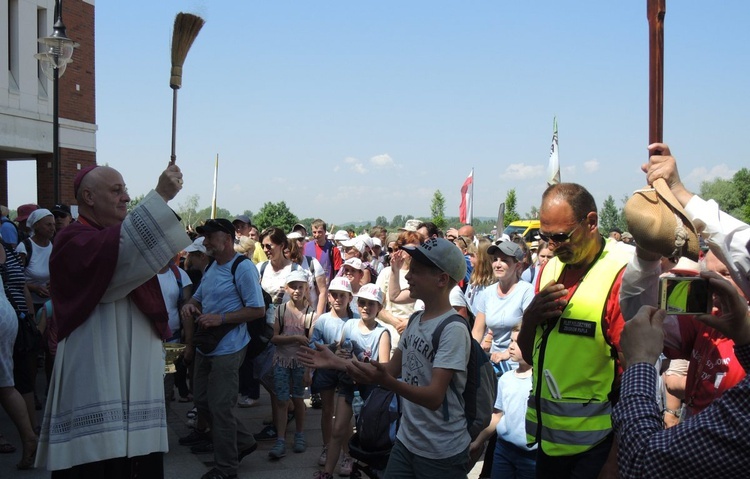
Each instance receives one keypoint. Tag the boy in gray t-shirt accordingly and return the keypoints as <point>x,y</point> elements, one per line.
<point>427,445</point>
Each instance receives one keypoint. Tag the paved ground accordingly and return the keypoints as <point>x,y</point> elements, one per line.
<point>179,463</point>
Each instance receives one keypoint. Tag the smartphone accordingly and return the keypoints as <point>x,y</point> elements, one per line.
<point>685,295</point>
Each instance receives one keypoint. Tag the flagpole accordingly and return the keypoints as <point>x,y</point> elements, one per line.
<point>471,199</point>
<point>216,181</point>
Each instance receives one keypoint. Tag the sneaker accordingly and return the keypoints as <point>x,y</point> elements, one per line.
<point>195,438</point>
<point>322,475</point>
<point>346,465</point>
<point>246,401</point>
<point>278,450</point>
<point>268,433</point>
<point>244,452</point>
<point>316,402</point>
<point>216,473</point>
<point>323,456</point>
<point>299,442</point>
<point>191,423</point>
<point>192,413</point>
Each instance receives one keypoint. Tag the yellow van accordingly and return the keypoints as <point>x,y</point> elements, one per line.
<point>529,229</point>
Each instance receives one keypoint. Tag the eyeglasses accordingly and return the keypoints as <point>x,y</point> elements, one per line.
<point>558,238</point>
<point>267,246</point>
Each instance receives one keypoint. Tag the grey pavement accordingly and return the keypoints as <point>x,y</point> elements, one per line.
<point>179,463</point>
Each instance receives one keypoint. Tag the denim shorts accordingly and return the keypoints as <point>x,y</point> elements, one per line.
<point>288,379</point>
<point>324,379</point>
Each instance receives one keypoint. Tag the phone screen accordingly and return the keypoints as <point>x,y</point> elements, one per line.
<point>685,295</point>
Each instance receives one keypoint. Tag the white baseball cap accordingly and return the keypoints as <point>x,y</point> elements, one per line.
<point>197,246</point>
<point>340,283</point>
<point>372,292</point>
<point>297,275</point>
<point>355,263</point>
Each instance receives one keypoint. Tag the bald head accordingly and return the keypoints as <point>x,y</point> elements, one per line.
<point>102,196</point>
<point>466,230</point>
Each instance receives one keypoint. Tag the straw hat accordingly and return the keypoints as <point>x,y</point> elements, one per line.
<point>659,224</point>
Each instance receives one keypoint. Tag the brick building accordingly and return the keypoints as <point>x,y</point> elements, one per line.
<point>26,105</point>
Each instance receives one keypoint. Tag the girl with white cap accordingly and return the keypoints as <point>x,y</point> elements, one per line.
<point>327,330</point>
<point>368,340</point>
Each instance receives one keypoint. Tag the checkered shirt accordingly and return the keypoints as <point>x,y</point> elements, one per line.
<point>714,443</point>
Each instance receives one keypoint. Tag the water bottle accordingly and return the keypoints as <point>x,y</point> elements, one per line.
<point>357,403</point>
<point>347,346</point>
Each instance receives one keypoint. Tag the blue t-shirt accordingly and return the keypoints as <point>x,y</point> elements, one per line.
<point>8,231</point>
<point>218,294</point>
<point>366,345</point>
<point>502,313</point>
<point>327,329</point>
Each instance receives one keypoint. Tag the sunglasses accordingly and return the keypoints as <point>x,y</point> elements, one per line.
<point>267,246</point>
<point>558,238</point>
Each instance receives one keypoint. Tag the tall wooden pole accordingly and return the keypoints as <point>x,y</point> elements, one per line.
<point>656,9</point>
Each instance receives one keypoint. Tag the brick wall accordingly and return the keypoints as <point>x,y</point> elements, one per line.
<point>69,161</point>
<point>79,103</point>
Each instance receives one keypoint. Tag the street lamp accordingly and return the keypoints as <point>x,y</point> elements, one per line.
<point>58,50</point>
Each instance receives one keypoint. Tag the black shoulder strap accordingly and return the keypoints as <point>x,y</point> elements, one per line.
<point>239,259</point>
<point>29,250</point>
<point>263,269</point>
<point>439,330</point>
<point>310,264</point>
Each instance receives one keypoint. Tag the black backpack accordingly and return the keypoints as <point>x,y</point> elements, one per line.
<point>379,420</point>
<point>481,382</point>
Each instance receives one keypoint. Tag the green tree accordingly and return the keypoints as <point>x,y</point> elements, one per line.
<point>275,214</point>
<point>381,221</point>
<point>437,209</point>
<point>511,214</point>
<point>732,195</point>
<point>205,214</point>
<point>134,202</point>
<point>533,214</point>
<point>397,221</point>
<point>609,216</point>
<point>188,211</point>
<point>249,214</point>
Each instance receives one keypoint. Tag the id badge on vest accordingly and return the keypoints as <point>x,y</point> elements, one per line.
<point>577,327</point>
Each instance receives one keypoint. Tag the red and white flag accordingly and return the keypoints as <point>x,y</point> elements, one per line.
<point>466,209</point>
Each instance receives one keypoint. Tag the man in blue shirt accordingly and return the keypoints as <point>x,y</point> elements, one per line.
<point>222,299</point>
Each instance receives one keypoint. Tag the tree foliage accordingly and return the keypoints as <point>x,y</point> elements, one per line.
<point>381,221</point>
<point>205,214</point>
<point>134,202</point>
<point>275,214</point>
<point>188,211</point>
<point>437,209</point>
<point>533,213</point>
<point>733,196</point>
<point>511,214</point>
<point>610,217</point>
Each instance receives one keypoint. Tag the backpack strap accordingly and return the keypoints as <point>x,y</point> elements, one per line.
<point>436,342</point>
<point>312,266</point>
<point>263,269</point>
<point>280,312</point>
<point>29,250</point>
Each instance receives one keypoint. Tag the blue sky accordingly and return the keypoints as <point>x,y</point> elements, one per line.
<point>351,110</point>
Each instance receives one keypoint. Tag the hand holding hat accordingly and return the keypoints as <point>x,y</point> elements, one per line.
<point>655,217</point>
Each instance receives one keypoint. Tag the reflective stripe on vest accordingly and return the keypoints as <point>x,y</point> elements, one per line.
<point>576,370</point>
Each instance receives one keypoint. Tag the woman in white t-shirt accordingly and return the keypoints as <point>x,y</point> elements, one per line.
<point>42,224</point>
<point>317,287</point>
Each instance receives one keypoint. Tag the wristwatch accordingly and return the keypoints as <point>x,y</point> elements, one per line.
<point>676,413</point>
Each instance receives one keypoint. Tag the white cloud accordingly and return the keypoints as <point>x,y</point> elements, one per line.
<point>336,168</point>
<point>701,174</point>
<point>383,161</point>
<point>591,166</point>
<point>355,164</point>
<point>522,171</point>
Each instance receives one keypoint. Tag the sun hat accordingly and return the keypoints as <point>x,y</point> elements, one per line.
<point>355,263</point>
<point>24,211</point>
<point>197,246</point>
<point>440,253</point>
<point>341,235</point>
<point>370,291</point>
<point>411,225</point>
<point>339,283</point>
<point>659,223</point>
<point>297,275</point>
